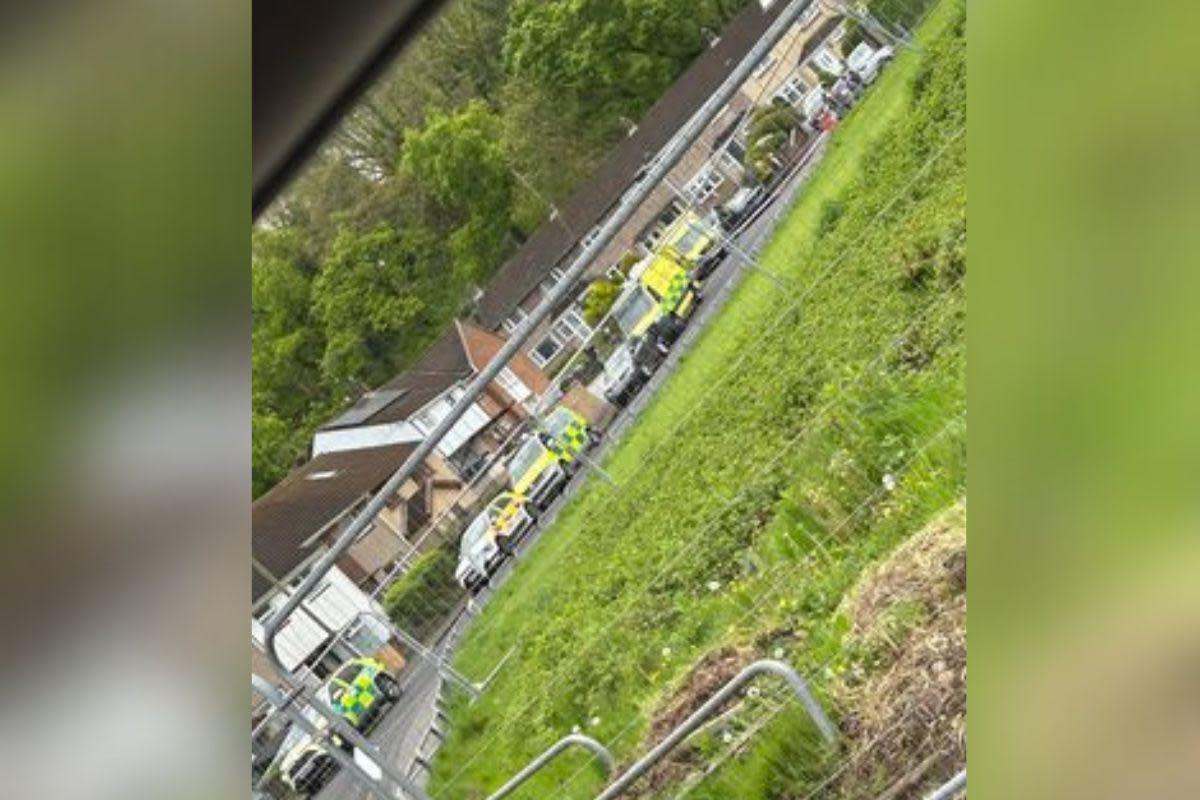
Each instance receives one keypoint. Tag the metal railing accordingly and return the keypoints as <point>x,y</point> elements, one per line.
<point>950,788</point>
<point>693,722</point>
<point>670,155</point>
<point>551,753</point>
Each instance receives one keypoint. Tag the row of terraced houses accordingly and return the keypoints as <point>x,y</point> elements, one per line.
<point>353,455</point>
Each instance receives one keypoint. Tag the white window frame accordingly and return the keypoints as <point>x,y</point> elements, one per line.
<point>513,386</point>
<point>831,63</point>
<point>539,361</point>
<point>793,90</point>
<point>703,184</point>
<point>572,325</point>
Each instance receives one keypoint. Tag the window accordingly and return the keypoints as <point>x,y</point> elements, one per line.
<point>793,91</point>
<point>571,325</point>
<point>509,325</point>
<point>557,275</point>
<point>615,274</point>
<point>545,350</point>
<point>654,233</point>
<point>827,61</point>
<point>701,187</point>
<point>729,162</point>
<point>512,385</point>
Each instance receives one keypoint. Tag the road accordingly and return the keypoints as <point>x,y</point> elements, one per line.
<point>402,733</point>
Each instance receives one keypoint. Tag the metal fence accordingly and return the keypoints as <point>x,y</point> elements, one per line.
<point>726,724</point>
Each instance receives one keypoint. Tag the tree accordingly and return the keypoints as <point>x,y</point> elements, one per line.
<point>459,160</point>
<point>372,301</point>
<point>606,58</point>
<point>599,300</point>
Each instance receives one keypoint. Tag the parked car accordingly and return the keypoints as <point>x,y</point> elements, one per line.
<point>743,203</point>
<point>308,768</point>
<point>866,61</point>
<point>491,537</point>
<point>628,369</point>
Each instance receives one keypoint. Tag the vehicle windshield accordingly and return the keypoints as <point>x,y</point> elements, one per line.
<point>618,364</point>
<point>475,533</point>
<point>497,506</point>
<point>694,233</point>
<point>558,422</point>
<point>525,458</point>
<point>632,309</point>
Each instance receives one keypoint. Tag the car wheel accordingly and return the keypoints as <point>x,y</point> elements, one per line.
<point>389,686</point>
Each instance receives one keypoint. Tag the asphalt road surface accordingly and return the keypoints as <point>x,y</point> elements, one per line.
<point>402,732</point>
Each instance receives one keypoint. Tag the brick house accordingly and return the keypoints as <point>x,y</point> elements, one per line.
<point>706,175</point>
<point>294,523</point>
<point>407,408</point>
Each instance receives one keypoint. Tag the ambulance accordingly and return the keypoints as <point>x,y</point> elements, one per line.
<point>694,243</point>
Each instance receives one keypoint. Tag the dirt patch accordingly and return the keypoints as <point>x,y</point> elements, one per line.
<point>904,697</point>
<point>707,676</point>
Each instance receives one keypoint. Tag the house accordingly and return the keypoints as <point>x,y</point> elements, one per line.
<point>407,408</point>
<point>707,174</point>
<point>293,525</point>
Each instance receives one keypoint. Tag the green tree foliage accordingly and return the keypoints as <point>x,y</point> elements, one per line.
<point>501,108</point>
<point>370,293</point>
<point>421,600</point>
<point>600,298</point>
<point>607,57</point>
<point>770,127</point>
<point>459,160</point>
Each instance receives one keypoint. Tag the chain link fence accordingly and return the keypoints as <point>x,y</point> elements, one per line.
<point>847,478</point>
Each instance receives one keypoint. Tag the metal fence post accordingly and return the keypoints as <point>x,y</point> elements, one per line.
<point>535,766</point>
<point>950,788</point>
<point>344,759</point>
<point>689,725</point>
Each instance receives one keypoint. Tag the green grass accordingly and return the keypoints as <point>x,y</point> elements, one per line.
<point>747,525</point>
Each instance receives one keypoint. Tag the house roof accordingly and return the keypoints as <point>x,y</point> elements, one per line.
<point>462,351</point>
<point>521,274</point>
<point>482,346</point>
<point>440,367</point>
<point>284,519</point>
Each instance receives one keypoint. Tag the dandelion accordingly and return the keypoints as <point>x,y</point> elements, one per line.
<point>666,652</point>
<point>753,692</point>
<point>714,586</point>
<point>889,481</point>
<point>727,737</point>
<point>778,652</point>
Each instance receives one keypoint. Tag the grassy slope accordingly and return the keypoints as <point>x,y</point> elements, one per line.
<point>749,529</point>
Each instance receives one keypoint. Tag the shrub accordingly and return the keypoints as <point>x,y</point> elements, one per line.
<point>770,127</point>
<point>600,298</point>
<point>425,596</point>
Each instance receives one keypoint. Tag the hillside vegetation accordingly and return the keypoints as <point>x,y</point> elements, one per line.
<point>807,434</point>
